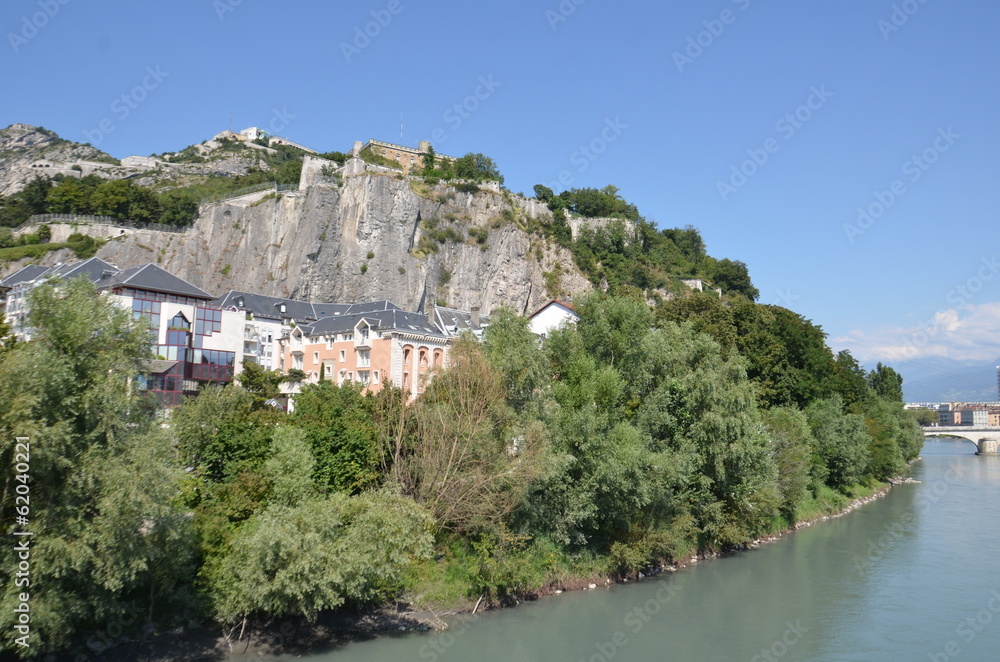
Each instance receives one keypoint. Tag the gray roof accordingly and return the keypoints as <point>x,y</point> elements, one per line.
<point>23,275</point>
<point>153,278</point>
<point>392,319</point>
<point>93,268</point>
<point>453,321</point>
<point>303,312</point>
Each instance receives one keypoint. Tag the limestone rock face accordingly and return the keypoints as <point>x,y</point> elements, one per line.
<point>372,235</point>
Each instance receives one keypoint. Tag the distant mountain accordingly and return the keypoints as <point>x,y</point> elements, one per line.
<point>946,380</point>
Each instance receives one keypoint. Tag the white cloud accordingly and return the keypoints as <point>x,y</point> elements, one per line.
<point>965,334</point>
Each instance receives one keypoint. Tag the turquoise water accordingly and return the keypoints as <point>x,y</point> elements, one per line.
<point>912,576</point>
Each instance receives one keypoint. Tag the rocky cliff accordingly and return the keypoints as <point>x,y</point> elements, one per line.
<point>363,233</point>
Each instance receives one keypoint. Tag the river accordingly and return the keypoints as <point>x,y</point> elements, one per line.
<point>912,576</point>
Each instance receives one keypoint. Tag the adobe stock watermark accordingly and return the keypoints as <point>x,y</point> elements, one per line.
<point>563,11</point>
<point>714,28</point>
<point>635,620</point>
<point>458,113</point>
<point>894,532</point>
<point>223,7</point>
<point>969,629</point>
<point>786,127</point>
<point>912,169</point>
<point>783,644</point>
<point>899,17</point>
<point>957,296</point>
<point>364,35</point>
<point>124,105</point>
<point>441,642</point>
<point>280,119</point>
<point>30,25</point>
<point>586,154</point>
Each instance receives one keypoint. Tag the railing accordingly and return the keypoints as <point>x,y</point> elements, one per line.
<point>106,220</point>
<point>239,193</point>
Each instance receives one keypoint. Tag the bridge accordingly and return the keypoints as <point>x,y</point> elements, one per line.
<point>986,438</point>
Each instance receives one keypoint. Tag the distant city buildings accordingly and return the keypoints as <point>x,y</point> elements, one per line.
<point>977,414</point>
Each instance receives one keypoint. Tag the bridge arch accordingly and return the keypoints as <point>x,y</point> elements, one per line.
<point>984,439</point>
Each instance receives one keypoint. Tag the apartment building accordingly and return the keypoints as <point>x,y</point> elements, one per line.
<point>370,347</point>
<point>193,341</point>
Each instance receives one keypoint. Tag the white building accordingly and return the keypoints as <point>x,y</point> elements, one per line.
<point>553,315</point>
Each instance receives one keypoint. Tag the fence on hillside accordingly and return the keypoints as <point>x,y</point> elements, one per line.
<point>105,220</point>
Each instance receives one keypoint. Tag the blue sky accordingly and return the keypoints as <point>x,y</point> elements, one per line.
<point>665,100</point>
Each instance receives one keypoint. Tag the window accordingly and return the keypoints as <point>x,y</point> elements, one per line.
<point>297,361</point>
<point>364,358</point>
<point>207,321</point>
<point>375,377</point>
<point>363,377</point>
<point>343,355</point>
<point>149,311</point>
<point>341,377</point>
<point>329,342</point>
<point>363,335</point>
<point>315,358</point>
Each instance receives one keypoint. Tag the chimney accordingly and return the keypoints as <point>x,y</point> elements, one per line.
<point>475,317</point>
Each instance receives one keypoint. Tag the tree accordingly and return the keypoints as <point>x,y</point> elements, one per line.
<point>35,195</point>
<point>478,168</point>
<point>304,554</point>
<point>465,466</point>
<point>733,276</point>
<point>70,196</point>
<point>543,193</point>
<point>178,207</point>
<point>791,445</point>
<point>429,162</point>
<point>220,434</point>
<point>510,346</point>
<point>6,237</point>
<point>44,233</point>
<point>337,422</point>
<point>886,383</point>
<point>842,442</point>
<point>110,535</point>
<point>112,199</point>
<point>262,384</point>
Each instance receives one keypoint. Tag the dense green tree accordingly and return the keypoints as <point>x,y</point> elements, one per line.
<point>477,167</point>
<point>262,384</point>
<point>511,346</point>
<point>850,381</point>
<point>178,207</point>
<point>70,196</point>
<point>106,529</point>
<point>886,383</point>
<point>35,195</point>
<point>337,421</point>
<point>220,434</point>
<point>305,554</point>
<point>791,446</point>
<point>543,193</point>
<point>733,276</point>
<point>843,443</point>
